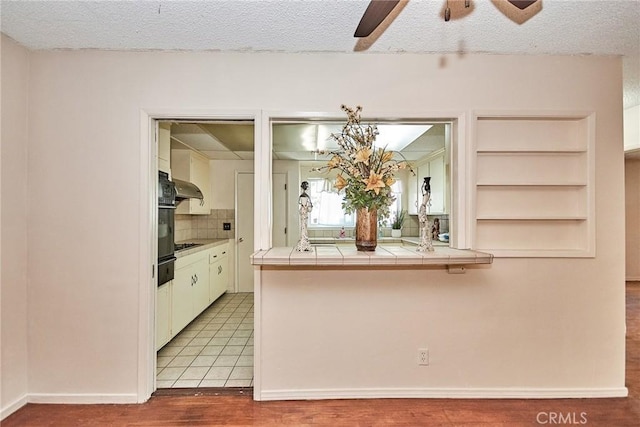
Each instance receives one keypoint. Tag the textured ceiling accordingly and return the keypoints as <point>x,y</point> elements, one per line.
<point>600,27</point>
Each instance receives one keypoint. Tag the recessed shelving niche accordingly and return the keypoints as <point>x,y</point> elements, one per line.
<point>534,185</point>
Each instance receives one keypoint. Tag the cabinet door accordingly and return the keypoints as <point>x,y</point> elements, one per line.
<point>163,310</point>
<point>164,147</point>
<point>436,169</point>
<point>219,272</point>
<point>200,271</point>
<point>413,191</point>
<point>181,300</point>
<point>421,171</point>
<point>191,166</point>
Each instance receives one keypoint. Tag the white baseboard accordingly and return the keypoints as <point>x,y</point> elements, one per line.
<point>67,399</point>
<point>81,398</point>
<point>445,393</point>
<point>13,407</point>
<point>316,394</point>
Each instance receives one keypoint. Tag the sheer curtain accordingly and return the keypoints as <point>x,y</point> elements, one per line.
<point>327,204</point>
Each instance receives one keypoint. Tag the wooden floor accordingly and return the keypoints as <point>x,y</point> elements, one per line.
<point>208,409</point>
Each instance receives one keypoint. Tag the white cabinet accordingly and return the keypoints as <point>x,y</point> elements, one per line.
<point>190,166</point>
<point>181,300</point>
<point>164,147</point>
<point>200,278</point>
<point>218,271</point>
<point>438,188</point>
<point>413,194</point>
<point>200,286</point>
<point>190,290</point>
<point>434,167</point>
<point>163,315</point>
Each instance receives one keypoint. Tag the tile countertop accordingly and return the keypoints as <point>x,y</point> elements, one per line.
<point>204,245</point>
<point>382,256</point>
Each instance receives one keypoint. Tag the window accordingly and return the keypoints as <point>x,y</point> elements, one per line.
<point>327,205</point>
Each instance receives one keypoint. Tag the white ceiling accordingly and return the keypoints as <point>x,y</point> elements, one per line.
<point>580,27</point>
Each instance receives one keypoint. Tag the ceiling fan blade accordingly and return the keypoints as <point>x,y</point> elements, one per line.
<point>522,4</point>
<point>374,15</point>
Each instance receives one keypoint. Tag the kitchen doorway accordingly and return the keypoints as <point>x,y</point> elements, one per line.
<point>214,348</point>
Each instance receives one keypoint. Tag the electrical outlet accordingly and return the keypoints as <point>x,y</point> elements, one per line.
<point>423,357</point>
<point>226,226</point>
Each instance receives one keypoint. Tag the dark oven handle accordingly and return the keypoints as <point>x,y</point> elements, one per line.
<point>167,261</point>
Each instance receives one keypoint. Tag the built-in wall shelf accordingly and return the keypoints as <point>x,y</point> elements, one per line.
<point>534,192</point>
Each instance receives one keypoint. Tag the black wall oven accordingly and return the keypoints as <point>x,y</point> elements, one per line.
<point>166,219</point>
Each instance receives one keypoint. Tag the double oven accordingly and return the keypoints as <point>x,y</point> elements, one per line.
<point>166,227</point>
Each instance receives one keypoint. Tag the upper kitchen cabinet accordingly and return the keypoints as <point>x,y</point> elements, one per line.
<point>434,166</point>
<point>437,171</point>
<point>164,147</point>
<point>193,167</point>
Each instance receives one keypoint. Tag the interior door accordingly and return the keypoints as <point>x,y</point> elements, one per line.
<point>244,230</point>
<point>279,195</point>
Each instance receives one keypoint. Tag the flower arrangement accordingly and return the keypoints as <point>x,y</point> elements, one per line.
<point>366,173</point>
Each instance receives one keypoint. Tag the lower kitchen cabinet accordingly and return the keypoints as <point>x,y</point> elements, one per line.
<point>181,300</point>
<point>190,290</point>
<point>200,286</point>
<point>163,315</point>
<point>199,279</point>
<point>218,271</point>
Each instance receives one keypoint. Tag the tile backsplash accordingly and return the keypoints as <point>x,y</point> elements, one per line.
<point>189,227</point>
<point>410,228</point>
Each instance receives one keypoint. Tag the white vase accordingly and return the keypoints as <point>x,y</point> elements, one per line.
<point>396,233</point>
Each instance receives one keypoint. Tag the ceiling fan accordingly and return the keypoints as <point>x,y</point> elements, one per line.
<point>378,10</point>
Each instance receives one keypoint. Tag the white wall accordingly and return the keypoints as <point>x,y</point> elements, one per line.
<point>518,328</point>
<point>13,227</point>
<point>84,166</point>
<point>539,327</point>
<point>223,181</point>
<point>632,205</point>
<point>223,186</point>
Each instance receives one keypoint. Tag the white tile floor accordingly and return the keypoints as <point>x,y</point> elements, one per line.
<point>215,350</point>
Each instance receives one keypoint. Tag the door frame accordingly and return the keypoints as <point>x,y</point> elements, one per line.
<point>148,205</point>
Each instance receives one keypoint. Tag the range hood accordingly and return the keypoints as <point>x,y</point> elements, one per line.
<point>187,190</point>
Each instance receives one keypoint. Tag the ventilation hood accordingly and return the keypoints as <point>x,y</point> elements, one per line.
<point>187,190</point>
